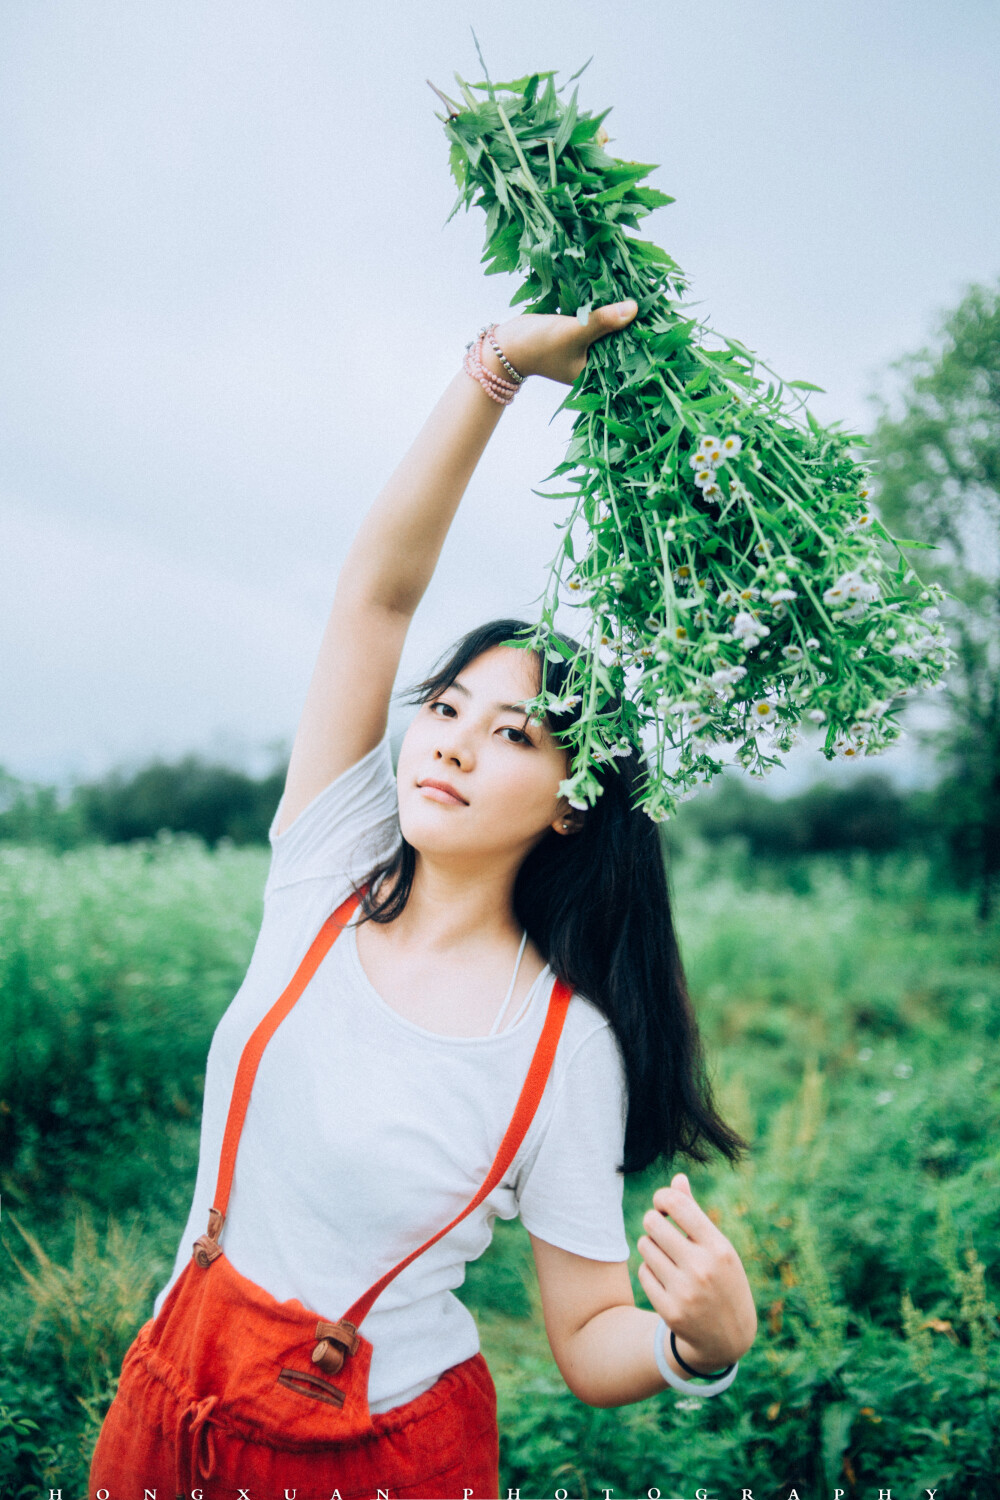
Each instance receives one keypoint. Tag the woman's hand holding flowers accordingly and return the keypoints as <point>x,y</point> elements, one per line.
<point>555,346</point>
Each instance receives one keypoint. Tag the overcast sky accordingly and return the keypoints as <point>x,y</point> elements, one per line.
<point>229,300</point>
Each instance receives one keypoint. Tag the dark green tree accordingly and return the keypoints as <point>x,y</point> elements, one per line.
<point>936,454</point>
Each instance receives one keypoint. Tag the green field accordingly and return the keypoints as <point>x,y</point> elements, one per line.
<point>851,1012</point>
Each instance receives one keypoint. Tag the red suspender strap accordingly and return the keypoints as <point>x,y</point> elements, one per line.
<point>207,1246</point>
<point>524,1110</point>
<point>259,1038</point>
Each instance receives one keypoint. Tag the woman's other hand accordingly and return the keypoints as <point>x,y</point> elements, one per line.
<point>554,346</point>
<point>695,1280</point>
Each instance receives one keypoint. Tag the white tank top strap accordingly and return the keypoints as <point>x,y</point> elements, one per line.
<point>546,972</point>
<point>499,1015</point>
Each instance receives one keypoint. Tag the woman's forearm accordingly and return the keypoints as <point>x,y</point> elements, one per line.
<point>611,1360</point>
<point>395,550</point>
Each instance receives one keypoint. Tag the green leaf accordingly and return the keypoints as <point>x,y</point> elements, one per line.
<point>566,127</point>
<point>585,403</point>
<point>653,198</point>
<point>620,430</point>
<point>613,194</point>
<point>931,546</point>
<point>804,385</point>
<point>646,250</point>
<point>501,187</point>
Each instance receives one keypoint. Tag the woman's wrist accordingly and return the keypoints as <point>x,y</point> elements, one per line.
<point>492,363</point>
<point>692,1356</point>
<point>666,1362</point>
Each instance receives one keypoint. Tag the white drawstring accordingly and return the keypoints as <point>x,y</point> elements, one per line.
<point>493,1029</point>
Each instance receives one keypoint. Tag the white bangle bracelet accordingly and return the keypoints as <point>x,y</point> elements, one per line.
<point>688,1386</point>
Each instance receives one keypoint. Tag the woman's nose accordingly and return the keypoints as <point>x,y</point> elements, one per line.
<point>454,746</point>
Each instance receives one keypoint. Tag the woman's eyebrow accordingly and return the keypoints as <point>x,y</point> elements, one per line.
<point>515,708</point>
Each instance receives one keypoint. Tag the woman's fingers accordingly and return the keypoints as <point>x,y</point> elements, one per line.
<point>610,318</point>
<point>680,1204</point>
<point>667,1238</point>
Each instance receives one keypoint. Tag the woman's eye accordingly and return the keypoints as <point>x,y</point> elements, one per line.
<point>522,738</point>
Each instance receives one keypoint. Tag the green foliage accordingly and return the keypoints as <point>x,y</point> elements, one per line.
<point>852,1027</point>
<point>937,455</point>
<point>735,579</point>
<point>214,801</point>
<point>115,965</point>
<point>872,815</point>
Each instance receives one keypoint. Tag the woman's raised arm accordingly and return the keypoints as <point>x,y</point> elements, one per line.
<point>395,550</point>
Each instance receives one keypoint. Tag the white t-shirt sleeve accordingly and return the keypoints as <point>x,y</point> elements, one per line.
<point>570,1194</point>
<point>347,827</point>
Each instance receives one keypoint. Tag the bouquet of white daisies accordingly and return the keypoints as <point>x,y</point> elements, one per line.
<point>723,545</point>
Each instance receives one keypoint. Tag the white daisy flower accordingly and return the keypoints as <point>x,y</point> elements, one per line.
<point>762,711</point>
<point>840,592</point>
<point>812,644</point>
<point>705,477</point>
<point>748,630</point>
<point>712,449</point>
<point>724,676</point>
<point>712,492</point>
<point>680,633</point>
<point>574,803</point>
<point>728,598</point>
<point>847,748</point>
<point>856,611</point>
<point>697,459</point>
<point>684,706</point>
<point>682,574</point>
<point>731,444</point>
<point>750,593</point>
<point>793,652</point>
<point>698,721</point>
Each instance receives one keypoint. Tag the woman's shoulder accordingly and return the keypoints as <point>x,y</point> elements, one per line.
<point>349,826</point>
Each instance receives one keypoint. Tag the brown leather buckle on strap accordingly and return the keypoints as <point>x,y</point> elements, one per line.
<point>206,1246</point>
<point>336,1342</point>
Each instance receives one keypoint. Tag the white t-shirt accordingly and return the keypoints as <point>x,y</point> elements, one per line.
<point>366,1133</point>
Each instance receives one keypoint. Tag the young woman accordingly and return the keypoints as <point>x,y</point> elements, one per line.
<point>501,1028</point>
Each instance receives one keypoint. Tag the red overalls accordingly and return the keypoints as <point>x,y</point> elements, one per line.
<point>229,1389</point>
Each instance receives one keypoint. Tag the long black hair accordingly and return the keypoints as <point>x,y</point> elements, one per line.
<point>597,906</point>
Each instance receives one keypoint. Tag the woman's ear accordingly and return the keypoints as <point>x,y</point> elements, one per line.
<point>570,821</point>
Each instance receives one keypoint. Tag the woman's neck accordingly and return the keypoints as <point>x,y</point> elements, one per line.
<point>449,909</point>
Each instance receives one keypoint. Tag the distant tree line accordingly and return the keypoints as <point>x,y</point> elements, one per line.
<point>191,796</point>
<point>218,802</point>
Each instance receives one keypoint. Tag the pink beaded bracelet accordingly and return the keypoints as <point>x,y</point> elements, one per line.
<point>495,386</point>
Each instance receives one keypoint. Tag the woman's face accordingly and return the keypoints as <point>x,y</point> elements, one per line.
<point>506,770</point>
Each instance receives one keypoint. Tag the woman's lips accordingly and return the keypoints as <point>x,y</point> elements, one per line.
<point>437,795</point>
